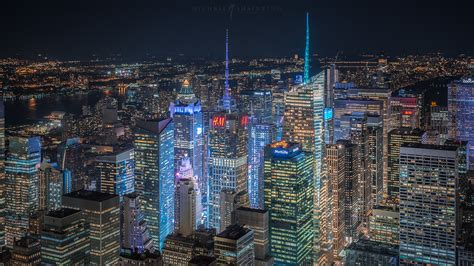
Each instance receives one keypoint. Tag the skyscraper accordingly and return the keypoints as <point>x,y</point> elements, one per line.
<point>24,155</point>
<point>228,139</point>
<point>154,176</point>
<point>278,109</point>
<point>304,124</point>
<point>136,236</point>
<point>258,105</point>
<point>359,136</point>
<point>2,174</point>
<point>439,119</point>
<point>189,134</point>
<point>344,107</point>
<point>65,239</point>
<point>117,172</point>
<point>186,201</point>
<point>375,156</point>
<point>336,172</point>
<point>427,222</point>
<point>396,138</point>
<point>50,184</point>
<point>227,161</point>
<point>352,202</point>
<point>230,202</point>
<point>289,198</point>
<point>461,113</point>
<point>102,212</point>
<point>405,112</point>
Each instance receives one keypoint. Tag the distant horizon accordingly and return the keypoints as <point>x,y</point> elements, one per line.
<point>177,57</point>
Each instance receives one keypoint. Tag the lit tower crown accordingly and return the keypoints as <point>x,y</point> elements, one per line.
<point>186,94</point>
<point>227,103</point>
<point>306,52</point>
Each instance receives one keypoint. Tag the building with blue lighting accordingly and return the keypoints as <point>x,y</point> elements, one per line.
<point>228,162</point>
<point>461,113</point>
<point>189,135</point>
<point>21,190</point>
<point>117,172</point>
<point>50,183</point>
<point>257,104</point>
<point>154,175</point>
<point>135,232</point>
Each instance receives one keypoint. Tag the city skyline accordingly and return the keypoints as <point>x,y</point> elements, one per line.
<point>255,161</point>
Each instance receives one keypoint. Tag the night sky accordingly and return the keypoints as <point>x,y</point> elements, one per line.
<point>136,29</point>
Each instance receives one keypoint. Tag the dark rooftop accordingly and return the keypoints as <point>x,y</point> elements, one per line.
<point>407,131</point>
<point>429,146</point>
<point>370,246</point>
<point>90,195</point>
<point>252,210</point>
<point>61,213</point>
<point>234,232</point>
<point>202,260</point>
<point>139,256</point>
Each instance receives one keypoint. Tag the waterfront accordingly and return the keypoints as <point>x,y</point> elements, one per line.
<point>21,112</point>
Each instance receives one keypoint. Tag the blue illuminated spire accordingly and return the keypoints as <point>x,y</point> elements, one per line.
<point>227,101</point>
<point>226,92</point>
<point>306,52</point>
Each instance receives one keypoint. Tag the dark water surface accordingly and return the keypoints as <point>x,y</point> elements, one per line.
<point>22,112</point>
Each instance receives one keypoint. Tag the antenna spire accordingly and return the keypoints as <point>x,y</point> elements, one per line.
<point>306,52</point>
<point>226,92</point>
<point>227,101</point>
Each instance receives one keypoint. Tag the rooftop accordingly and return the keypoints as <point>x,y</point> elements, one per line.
<point>202,260</point>
<point>429,146</point>
<point>252,210</point>
<point>407,131</point>
<point>61,213</point>
<point>90,195</point>
<point>234,232</point>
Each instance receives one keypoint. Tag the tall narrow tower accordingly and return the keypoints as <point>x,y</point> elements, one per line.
<point>304,124</point>
<point>228,139</point>
<point>306,52</point>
